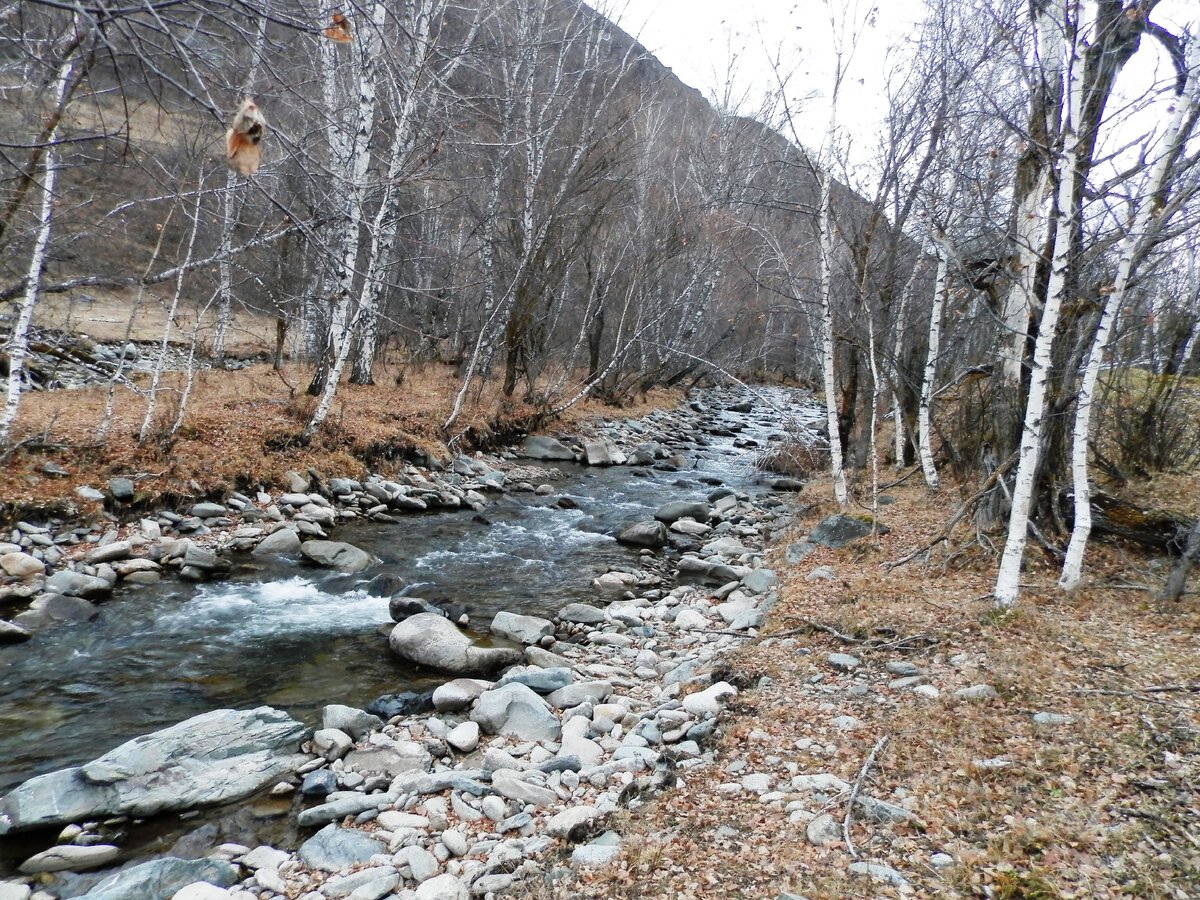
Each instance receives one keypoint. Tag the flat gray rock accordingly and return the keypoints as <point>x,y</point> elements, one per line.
<point>519,628</point>
<point>516,710</point>
<point>212,758</point>
<point>336,555</point>
<point>543,447</point>
<point>683,509</point>
<point>70,858</point>
<point>159,879</point>
<point>333,849</point>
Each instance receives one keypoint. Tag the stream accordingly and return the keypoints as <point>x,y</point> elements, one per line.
<point>284,633</point>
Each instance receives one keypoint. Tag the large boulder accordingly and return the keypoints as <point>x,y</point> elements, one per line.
<point>212,758</point>
<point>516,710</point>
<point>684,509</point>
<point>643,534</point>
<point>603,453</point>
<point>337,555</point>
<point>278,543</point>
<point>839,530</point>
<point>159,879</point>
<point>540,446</point>
<point>432,640</point>
<point>522,629</point>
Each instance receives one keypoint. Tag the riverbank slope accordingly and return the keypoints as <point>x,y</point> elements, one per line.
<point>1050,752</point>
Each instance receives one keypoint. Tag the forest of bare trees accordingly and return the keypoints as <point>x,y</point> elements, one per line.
<point>520,191</point>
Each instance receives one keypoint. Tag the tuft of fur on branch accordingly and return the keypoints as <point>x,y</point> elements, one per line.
<point>243,137</point>
<point>339,29</point>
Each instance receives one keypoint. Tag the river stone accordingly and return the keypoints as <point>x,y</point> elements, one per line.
<point>760,580</point>
<point>401,608</point>
<point>212,758</point>
<point>510,784</point>
<point>279,542</point>
<point>786,484</point>
<point>522,629</point>
<point>464,737</point>
<point>715,572</point>
<point>336,555</point>
<point>385,584</point>
<point>11,633</point>
<point>70,858</point>
<point>87,492</point>
<point>644,534</point>
<point>200,890</point>
<point>207,510</point>
<point>709,700</point>
<point>159,879</point>
<point>542,447</point>
<point>21,565</point>
<point>76,584</point>
<point>542,680</point>
<point>843,662</point>
<point>574,694</point>
<point>66,609</point>
<point>879,872</point>
<point>572,824</point>
<point>839,530</point>
<point>458,694</point>
<point>121,489</point>
<point>333,849</point>
<point>431,640</point>
<point>823,830</point>
<point>603,453</point>
<point>318,783</point>
<point>581,614</point>
<point>443,887</point>
<point>404,703</point>
<point>599,852</point>
<point>353,721</point>
<point>683,509</point>
<point>515,710</point>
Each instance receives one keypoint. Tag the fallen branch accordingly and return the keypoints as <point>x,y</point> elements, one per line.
<point>997,474</point>
<point>848,821</point>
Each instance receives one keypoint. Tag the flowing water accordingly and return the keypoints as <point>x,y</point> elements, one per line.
<point>287,634</point>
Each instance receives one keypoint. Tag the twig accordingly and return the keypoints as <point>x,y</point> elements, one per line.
<point>848,821</point>
<point>845,638</point>
<point>903,478</point>
<point>996,475</point>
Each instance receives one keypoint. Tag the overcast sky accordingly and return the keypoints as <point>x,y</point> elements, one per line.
<point>697,39</point>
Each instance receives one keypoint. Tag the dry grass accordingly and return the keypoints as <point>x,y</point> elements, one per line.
<point>119,315</point>
<point>242,430</point>
<point>1106,806</point>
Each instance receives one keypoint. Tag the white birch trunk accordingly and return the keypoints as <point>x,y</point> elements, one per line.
<point>341,328</point>
<point>827,344</point>
<point>941,288</point>
<point>1008,578</point>
<point>1143,223</point>
<point>897,353</point>
<point>18,339</point>
<point>164,344</point>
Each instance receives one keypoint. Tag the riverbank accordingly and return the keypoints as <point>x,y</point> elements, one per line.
<point>713,531</point>
<point>241,431</point>
<point>1053,752</point>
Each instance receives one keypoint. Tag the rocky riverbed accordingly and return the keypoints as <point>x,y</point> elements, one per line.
<point>507,771</point>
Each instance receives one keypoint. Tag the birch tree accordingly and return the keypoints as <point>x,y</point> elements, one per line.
<point>1059,27</point>
<point>1152,216</point>
<point>17,346</point>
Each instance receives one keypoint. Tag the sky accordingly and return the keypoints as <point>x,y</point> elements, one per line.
<point>698,38</point>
